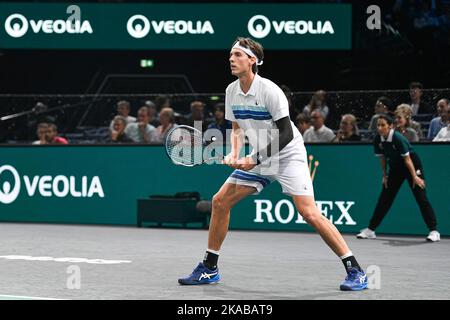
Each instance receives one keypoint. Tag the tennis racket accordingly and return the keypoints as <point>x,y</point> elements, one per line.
<point>186,146</point>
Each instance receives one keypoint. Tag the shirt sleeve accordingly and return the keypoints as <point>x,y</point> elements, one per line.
<point>228,110</point>
<point>402,145</point>
<point>277,104</point>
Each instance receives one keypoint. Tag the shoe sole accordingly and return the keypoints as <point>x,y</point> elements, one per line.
<point>196,283</point>
<point>345,288</point>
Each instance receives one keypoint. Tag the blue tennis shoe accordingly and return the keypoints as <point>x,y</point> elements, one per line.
<point>356,280</point>
<point>201,275</point>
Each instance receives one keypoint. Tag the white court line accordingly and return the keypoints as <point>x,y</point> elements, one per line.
<point>26,297</point>
<point>65,259</point>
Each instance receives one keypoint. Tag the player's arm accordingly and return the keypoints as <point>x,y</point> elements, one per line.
<point>237,141</point>
<point>285,136</point>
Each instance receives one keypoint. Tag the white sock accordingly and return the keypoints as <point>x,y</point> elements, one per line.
<point>345,256</point>
<point>212,251</point>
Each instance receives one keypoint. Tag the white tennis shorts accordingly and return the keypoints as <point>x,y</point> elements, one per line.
<point>293,175</point>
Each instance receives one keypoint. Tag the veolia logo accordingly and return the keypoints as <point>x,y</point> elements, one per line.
<point>138,30</point>
<point>7,193</point>
<point>59,186</point>
<point>16,25</point>
<point>138,26</point>
<point>260,26</point>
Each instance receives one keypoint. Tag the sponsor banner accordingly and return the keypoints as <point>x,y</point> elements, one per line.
<point>173,26</point>
<point>101,185</point>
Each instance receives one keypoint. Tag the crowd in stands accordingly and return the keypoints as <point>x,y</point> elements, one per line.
<point>154,119</point>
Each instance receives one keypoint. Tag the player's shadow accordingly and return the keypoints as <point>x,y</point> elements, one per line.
<point>402,242</point>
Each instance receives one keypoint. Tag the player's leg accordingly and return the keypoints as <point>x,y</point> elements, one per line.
<point>306,206</point>
<point>229,194</point>
<point>226,198</point>
<point>295,180</point>
<point>356,278</point>
<point>422,200</point>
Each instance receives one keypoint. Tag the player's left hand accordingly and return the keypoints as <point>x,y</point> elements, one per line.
<point>245,163</point>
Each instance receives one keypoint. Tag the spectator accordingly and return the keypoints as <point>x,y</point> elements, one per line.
<point>403,123</point>
<point>117,135</point>
<point>441,121</point>
<point>418,106</point>
<point>197,114</point>
<point>318,132</point>
<point>303,122</point>
<point>42,130</point>
<point>141,131</point>
<point>167,118</point>
<point>162,101</point>
<point>123,109</point>
<point>153,113</point>
<point>318,101</point>
<point>52,135</point>
<point>348,129</point>
<point>443,134</point>
<point>382,106</point>
<point>220,122</point>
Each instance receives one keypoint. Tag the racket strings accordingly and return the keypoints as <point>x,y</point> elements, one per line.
<point>185,146</point>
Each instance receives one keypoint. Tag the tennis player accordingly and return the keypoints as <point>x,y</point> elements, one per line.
<point>256,105</point>
<point>403,164</point>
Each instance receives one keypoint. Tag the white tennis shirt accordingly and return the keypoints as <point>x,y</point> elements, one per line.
<point>256,112</point>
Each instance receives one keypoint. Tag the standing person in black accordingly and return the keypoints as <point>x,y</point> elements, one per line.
<point>403,163</point>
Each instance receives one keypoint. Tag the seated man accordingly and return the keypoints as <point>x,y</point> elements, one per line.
<point>444,133</point>
<point>348,129</point>
<point>167,119</point>
<point>441,120</point>
<point>123,109</point>
<point>418,106</point>
<point>318,132</point>
<point>220,123</point>
<point>41,132</point>
<point>52,135</point>
<point>141,131</point>
<point>382,106</point>
<point>117,134</point>
<point>197,114</point>
<point>302,122</point>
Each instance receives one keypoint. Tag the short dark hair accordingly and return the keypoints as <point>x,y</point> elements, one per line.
<point>219,106</point>
<point>416,85</point>
<point>389,119</point>
<point>302,118</point>
<point>254,46</point>
<point>146,109</point>
<point>125,103</point>
<point>161,100</point>
<point>386,101</point>
<point>53,127</point>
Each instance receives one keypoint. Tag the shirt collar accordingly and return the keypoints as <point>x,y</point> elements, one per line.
<point>389,138</point>
<point>253,87</point>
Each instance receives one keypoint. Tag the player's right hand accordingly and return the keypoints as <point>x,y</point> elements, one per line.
<point>230,160</point>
